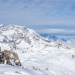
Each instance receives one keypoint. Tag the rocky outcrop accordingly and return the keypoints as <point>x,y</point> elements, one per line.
<point>2,58</point>
<point>9,57</point>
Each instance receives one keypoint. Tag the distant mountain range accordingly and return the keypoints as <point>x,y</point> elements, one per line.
<point>66,42</point>
<point>52,37</point>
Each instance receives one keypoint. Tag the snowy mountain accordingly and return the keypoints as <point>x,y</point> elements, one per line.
<point>51,37</point>
<point>16,34</point>
<point>63,41</point>
<point>31,54</point>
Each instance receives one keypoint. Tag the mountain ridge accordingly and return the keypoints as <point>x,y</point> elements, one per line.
<point>12,33</point>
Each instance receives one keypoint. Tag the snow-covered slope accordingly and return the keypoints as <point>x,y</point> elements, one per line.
<point>18,34</point>
<point>37,55</point>
<point>69,43</point>
<point>11,70</point>
<point>15,34</point>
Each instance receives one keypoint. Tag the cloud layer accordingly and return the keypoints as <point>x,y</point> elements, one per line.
<point>58,32</point>
<point>37,12</point>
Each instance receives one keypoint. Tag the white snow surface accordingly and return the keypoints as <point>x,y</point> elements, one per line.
<point>69,43</point>
<point>37,55</point>
<point>11,70</point>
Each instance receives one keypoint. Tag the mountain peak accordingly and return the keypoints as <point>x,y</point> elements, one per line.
<point>1,25</point>
<point>17,34</point>
<point>15,26</point>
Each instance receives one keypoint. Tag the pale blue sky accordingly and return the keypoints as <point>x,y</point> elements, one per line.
<point>39,14</point>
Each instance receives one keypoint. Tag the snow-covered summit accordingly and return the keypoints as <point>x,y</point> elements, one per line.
<point>17,34</point>
<point>1,25</point>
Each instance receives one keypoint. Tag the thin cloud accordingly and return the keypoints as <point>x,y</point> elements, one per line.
<point>37,12</point>
<point>57,31</point>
